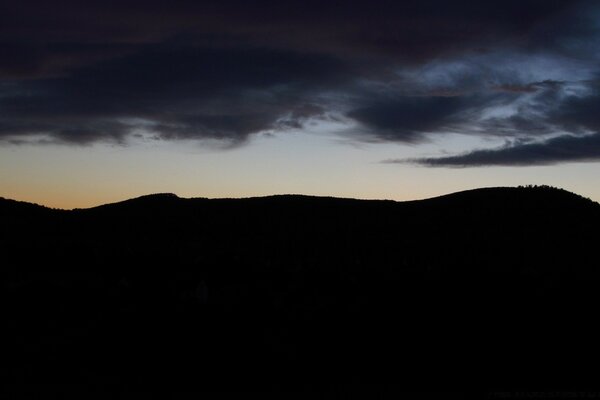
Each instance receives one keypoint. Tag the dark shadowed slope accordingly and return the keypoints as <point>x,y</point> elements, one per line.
<point>10,208</point>
<point>491,288</point>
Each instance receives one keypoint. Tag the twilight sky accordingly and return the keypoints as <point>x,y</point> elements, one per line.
<point>102,100</point>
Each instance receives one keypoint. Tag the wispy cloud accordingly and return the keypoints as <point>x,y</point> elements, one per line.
<point>549,152</point>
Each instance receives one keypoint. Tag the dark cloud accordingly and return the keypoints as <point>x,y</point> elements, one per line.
<point>81,72</point>
<point>408,118</point>
<point>530,87</point>
<point>400,28</point>
<point>467,105</point>
<point>579,113</point>
<point>551,110</point>
<point>178,92</point>
<point>552,151</point>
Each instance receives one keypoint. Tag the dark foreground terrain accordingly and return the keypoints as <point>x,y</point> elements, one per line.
<point>490,291</point>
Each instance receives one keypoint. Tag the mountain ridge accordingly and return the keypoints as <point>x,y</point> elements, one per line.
<point>262,290</point>
<point>172,197</point>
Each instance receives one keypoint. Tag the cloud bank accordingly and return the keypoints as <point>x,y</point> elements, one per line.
<point>524,71</point>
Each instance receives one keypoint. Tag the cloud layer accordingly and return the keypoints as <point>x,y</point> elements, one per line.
<point>549,152</point>
<point>525,71</point>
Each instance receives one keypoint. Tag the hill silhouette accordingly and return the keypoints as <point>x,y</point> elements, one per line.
<point>494,289</point>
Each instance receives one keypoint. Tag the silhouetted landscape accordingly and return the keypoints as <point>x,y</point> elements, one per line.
<point>491,289</point>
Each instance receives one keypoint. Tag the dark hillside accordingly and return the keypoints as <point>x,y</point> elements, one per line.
<point>493,289</point>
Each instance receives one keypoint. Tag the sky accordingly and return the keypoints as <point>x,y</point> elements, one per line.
<point>101,101</point>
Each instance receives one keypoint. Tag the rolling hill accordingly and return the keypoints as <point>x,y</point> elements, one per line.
<point>492,288</point>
